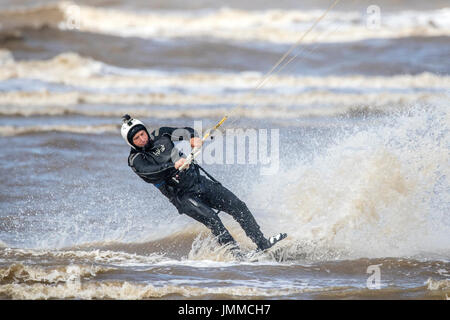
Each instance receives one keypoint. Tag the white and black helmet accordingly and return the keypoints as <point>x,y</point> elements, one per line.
<point>129,128</point>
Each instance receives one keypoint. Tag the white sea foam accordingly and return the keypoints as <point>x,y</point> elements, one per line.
<point>375,192</point>
<point>129,290</point>
<point>87,256</point>
<point>20,273</point>
<point>71,84</point>
<point>82,129</point>
<point>278,26</point>
<point>71,69</point>
<point>438,285</point>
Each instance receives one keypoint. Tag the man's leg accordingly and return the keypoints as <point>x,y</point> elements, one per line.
<point>219,197</point>
<point>196,209</point>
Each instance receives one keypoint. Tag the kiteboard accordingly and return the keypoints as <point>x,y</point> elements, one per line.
<point>253,255</point>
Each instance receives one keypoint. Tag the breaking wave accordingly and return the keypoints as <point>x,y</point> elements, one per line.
<point>132,291</point>
<point>277,26</point>
<point>19,273</point>
<point>94,129</point>
<point>70,84</point>
<point>80,281</point>
<point>74,70</point>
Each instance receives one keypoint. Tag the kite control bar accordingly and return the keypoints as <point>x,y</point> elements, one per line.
<point>196,150</point>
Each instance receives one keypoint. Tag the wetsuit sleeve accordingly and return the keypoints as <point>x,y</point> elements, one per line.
<point>148,170</point>
<point>178,134</point>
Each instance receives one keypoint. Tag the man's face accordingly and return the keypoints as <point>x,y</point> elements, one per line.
<point>140,139</point>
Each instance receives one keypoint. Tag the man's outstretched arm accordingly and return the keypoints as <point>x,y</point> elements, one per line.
<point>179,134</point>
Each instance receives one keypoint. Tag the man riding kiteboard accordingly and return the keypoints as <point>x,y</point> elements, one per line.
<point>154,158</point>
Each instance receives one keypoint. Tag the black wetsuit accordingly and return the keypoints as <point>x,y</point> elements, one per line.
<point>191,193</point>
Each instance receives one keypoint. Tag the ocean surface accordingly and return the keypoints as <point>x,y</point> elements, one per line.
<point>361,113</point>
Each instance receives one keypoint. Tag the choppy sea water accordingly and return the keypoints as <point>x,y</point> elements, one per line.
<point>363,120</point>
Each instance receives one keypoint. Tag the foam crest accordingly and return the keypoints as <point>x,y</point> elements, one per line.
<point>285,106</point>
<point>277,26</point>
<point>87,256</point>
<point>78,71</point>
<point>132,291</point>
<point>80,129</point>
<point>70,84</point>
<point>20,273</point>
